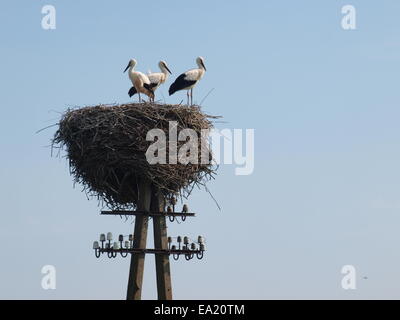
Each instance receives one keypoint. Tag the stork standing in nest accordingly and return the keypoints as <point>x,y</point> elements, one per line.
<point>156,79</point>
<point>140,81</point>
<point>187,80</point>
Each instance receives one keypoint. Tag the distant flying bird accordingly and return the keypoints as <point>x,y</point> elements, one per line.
<point>139,80</point>
<point>187,80</point>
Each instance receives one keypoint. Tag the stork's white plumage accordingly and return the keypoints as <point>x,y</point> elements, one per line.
<point>156,79</point>
<point>140,81</point>
<point>187,80</point>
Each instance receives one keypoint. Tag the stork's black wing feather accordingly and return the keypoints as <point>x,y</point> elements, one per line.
<point>149,87</point>
<point>180,84</point>
<point>132,91</point>
<point>153,85</point>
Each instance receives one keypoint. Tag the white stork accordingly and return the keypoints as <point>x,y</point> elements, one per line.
<point>187,80</point>
<point>156,79</point>
<point>139,80</point>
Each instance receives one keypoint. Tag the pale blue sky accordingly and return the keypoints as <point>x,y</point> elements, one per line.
<point>324,104</point>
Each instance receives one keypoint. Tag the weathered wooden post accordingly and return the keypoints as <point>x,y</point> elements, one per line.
<point>163,272</point>
<point>136,269</point>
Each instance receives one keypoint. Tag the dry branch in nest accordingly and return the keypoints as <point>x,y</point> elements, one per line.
<point>106,148</point>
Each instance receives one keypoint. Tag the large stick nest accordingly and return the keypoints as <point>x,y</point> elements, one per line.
<point>106,148</point>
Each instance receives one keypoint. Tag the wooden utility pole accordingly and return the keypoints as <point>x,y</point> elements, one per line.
<point>140,239</point>
<point>150,203</point>
<point>150,200</point>
<point>164,287</point>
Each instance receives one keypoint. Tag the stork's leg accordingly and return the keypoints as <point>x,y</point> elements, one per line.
<point>140,99</point>
<point>191,96</point>
<point>187,93</point>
